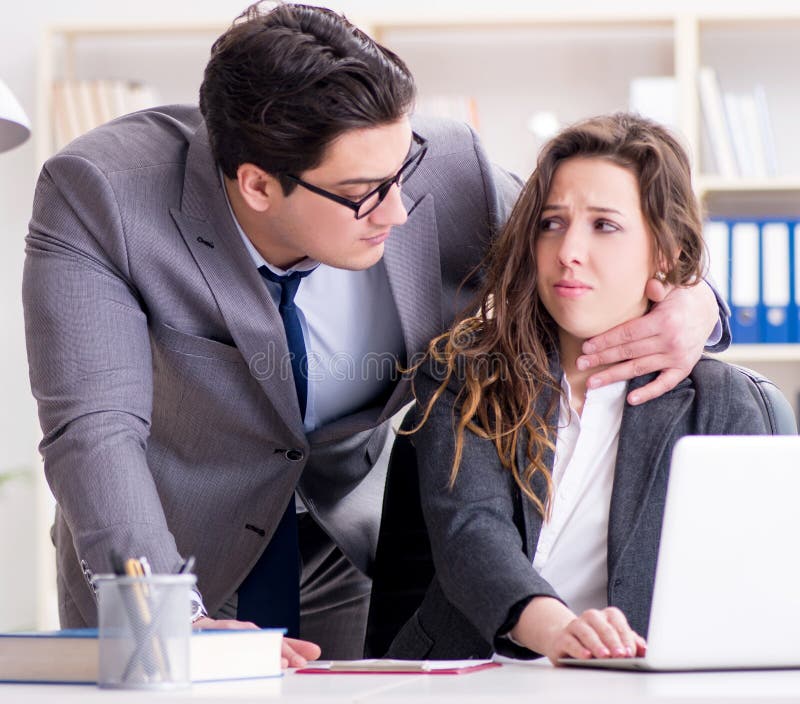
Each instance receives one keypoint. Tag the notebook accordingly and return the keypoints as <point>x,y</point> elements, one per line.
<point>727,583</point>
<point>397,667</point>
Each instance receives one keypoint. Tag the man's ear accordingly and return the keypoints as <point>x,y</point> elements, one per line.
<point>257,188</point>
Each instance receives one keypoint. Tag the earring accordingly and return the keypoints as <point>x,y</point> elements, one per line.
<point>661,276</point>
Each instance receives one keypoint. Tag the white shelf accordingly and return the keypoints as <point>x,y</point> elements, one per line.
<point>716,184</point>
<point>761,353</point>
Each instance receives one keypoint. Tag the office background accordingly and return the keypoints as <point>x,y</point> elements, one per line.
<point>510,119</point>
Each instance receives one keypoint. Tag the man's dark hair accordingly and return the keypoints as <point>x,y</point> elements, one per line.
<point>281,85</point>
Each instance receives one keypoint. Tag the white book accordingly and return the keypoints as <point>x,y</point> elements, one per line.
<point>66,111</point>
<point>102,98</point>
<point>744,265</point>
<point>739,138</point>
<point>765,125</point>
<point>715,234</point>
<point>716,122</point>
<point>140,96</point>
<point>118,91</point>
<point>461,108</point>
<point>655,97</point>
<point>776,264</point>
<point>73,655</point>
<point>87,113</point>
<point>753,135</point>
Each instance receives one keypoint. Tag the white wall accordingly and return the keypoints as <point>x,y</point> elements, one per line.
<point>19,44</point>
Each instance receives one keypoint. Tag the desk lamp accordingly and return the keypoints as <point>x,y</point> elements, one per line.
<point>14,124</point>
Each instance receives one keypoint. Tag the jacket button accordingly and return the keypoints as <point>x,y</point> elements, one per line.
<point>617,582</point>
<point>294,455</point>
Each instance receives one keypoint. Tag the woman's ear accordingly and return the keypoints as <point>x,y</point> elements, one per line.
<point>664,267</point>
<point>257,188</point>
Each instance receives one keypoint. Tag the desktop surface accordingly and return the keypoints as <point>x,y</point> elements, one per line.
<point>537,682</point>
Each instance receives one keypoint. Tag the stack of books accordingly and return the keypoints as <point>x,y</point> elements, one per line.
<point>72,656</point>
<point>81,105</point>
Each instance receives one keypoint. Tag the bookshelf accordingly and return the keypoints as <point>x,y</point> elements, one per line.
<point>590,61</point>
<point>513,63</point>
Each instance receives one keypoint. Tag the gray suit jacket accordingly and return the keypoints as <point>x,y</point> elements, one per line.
<point>152,343</point>
<point>483,533</point>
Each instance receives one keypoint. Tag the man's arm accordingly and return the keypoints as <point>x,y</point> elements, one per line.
<point>91,368</point>
<point>670,339</point>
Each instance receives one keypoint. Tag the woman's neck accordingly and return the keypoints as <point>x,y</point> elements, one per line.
<point>569,351</point>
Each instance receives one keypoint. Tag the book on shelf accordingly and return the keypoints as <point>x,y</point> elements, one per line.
<point>79,105</point>
<point>655,97</point>
<point>716,123</point>
<point>755,264</point>
<point>462,108</point>
<point>765,128</point>
<point>71,656</point>
<point>397,667</point>
<point>749,139</point>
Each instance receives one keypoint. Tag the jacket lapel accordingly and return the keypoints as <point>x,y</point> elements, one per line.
<point>244,301</point>
<point>644,438</point>
<point>531,516</point>
<point>411,257</point>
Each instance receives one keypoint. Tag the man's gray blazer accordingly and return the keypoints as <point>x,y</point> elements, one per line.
<point>483,533</point>
<point>152,345</point>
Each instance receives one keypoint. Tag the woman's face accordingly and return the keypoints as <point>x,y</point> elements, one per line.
<point>594,250</point>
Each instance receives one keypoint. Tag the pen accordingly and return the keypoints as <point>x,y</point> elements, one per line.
<point>144,620</point>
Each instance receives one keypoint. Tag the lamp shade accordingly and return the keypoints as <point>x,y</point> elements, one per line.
<point>14,124</point>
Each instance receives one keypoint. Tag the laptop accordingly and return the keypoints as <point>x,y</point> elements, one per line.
<point>727,583</point>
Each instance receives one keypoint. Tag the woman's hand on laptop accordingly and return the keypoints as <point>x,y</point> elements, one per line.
<point>547,626</point>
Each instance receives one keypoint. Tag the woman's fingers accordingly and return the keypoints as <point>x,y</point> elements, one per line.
<point>601,634</point>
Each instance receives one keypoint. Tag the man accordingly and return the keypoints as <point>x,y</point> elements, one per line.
<point>211,301</point>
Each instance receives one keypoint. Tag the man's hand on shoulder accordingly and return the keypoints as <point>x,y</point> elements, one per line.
<point>294,652</point>
<point>668,339</point>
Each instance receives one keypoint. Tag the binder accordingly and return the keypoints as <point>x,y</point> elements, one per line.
<point>794,312</point>
<point>775,278</point>
<point>745,247</point>
<point>716,235</point>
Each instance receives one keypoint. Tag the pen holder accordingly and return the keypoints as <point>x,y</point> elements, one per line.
<point>144,630</point>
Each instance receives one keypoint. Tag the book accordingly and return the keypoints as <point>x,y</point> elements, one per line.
<point>397,667</point>
<point>655,97</point>
<point>740,139</point>
<point>715,120</point>
<point>765,128</point>
<point>71,656</point>
<point>746,132</point>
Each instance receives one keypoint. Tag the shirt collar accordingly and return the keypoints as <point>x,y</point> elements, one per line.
<point>610,396</point>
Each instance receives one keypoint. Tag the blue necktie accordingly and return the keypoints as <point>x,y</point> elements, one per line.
<point>270,594</point>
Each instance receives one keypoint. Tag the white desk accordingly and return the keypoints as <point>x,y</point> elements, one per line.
<point>532,684</point>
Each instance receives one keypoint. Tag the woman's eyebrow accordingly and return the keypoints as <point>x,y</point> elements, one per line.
<point>593,208</point>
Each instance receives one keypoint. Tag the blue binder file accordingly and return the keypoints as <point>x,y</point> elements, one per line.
<point>745,282</point>
<point>794,306</point>
<point>775,282</point>
<point>717,235</point>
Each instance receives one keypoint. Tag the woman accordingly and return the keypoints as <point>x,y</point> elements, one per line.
<point>543,499</point>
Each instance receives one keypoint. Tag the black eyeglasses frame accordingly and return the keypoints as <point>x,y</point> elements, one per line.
<point>402,175</point>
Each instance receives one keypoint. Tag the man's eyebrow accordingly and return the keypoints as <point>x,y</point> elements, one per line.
<point>363,181</point>
<point>593,208</point>
<point>379,179</point>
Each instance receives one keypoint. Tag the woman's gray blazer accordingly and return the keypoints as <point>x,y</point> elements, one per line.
<point>483,532</point>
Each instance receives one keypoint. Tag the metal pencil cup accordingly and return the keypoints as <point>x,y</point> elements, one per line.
<point>145,628</point>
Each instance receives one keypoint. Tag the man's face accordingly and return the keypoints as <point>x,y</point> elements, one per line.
<point>307,224</point>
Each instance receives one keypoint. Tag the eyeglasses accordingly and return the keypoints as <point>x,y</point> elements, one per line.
<point>375,197</point>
